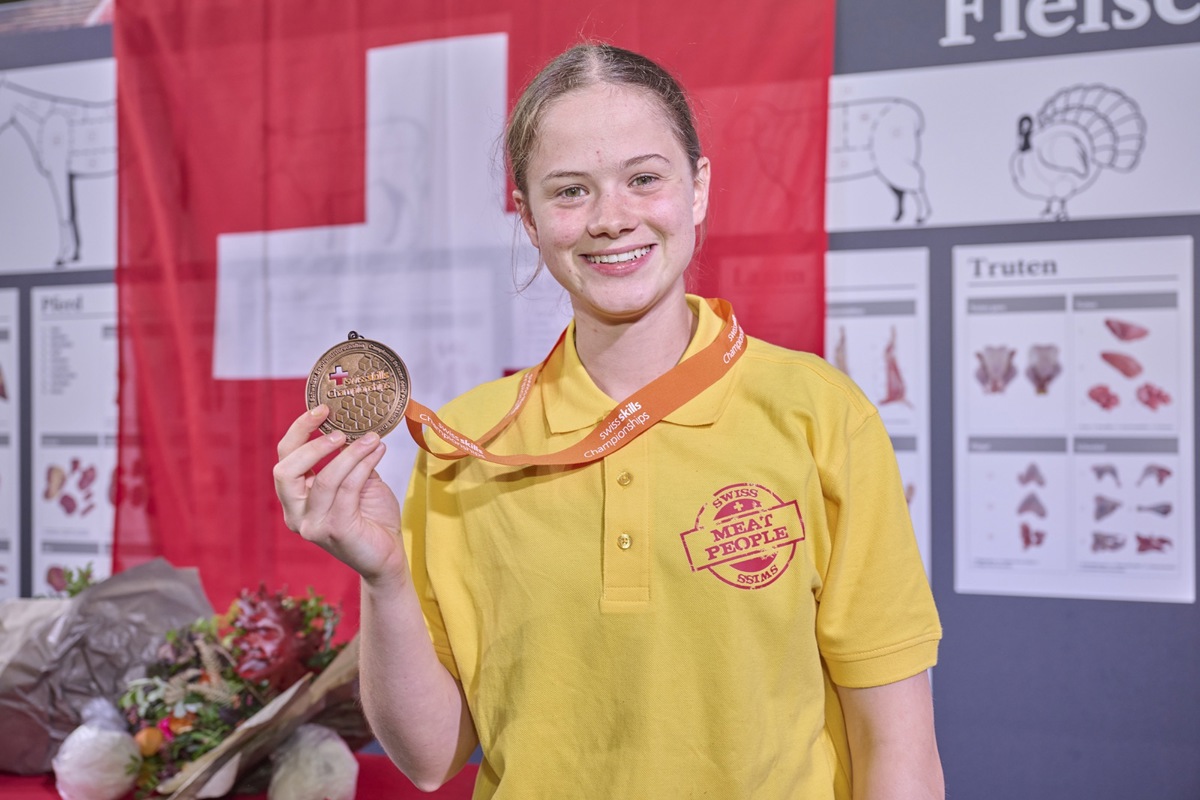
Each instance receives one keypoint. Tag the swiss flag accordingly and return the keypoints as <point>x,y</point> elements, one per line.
<point>293,171</point>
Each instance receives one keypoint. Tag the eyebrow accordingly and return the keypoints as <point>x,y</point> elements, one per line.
<point>628,163</point>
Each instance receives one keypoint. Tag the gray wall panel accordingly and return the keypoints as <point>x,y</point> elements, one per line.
<point>1036,698</point>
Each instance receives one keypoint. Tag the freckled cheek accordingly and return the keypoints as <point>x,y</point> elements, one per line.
<point>669,213</point>
<point>559,248</point>
<point>562,232</point>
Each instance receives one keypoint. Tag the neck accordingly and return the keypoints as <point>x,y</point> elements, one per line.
<point>622,358</point>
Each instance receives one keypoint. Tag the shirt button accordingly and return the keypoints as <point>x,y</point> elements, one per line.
<point>624,541</point>
<point>624,478</point>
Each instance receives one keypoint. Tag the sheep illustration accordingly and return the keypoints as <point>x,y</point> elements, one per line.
<point>880,137</point>
<point>1078,133</point>
<point>68,139</point>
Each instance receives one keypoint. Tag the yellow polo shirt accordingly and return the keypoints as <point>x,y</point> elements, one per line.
<point>669,622</point>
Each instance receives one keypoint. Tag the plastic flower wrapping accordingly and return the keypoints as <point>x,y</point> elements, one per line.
<point>216,673</point>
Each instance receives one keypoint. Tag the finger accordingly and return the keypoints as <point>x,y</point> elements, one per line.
<point>300,430</point>
<point>294,459</point>
<point>293,474</point>
<point>329,482</point>
<point>349,494</point>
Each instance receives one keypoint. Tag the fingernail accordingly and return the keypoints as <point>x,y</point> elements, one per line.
<point>369,439</point>
<point>317,411</point>
<point>337,437</point>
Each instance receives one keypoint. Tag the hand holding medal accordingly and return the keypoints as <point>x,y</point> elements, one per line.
<point>366,387</point>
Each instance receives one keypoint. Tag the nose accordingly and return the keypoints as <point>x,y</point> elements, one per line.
<point>611,216</point>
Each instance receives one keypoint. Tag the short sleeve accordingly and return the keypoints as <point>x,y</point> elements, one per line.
<point>876,619</point>
<point>414,528</point>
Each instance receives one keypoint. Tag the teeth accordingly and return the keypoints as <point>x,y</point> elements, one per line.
<point>619,258</point>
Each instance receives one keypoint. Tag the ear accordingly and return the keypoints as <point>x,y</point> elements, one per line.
<point>526,217</point>
<point>700,185</point>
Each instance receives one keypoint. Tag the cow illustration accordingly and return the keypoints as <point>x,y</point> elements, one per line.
<point>68,139</point>
<point>880,137</point>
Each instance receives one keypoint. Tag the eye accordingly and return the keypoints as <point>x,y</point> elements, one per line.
<point>644,180</point>
<point>570,193</point>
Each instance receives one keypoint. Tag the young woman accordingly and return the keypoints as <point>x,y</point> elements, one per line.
<point>718,596</point>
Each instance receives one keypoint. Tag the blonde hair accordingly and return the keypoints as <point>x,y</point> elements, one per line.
<point>587,65</point>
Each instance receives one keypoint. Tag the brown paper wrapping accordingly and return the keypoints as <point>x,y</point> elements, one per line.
<point>56,654</point>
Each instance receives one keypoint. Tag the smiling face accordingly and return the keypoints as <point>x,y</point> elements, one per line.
<point>613,202</point>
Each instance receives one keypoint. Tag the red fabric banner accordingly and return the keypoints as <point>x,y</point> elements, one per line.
<point>247,128</point>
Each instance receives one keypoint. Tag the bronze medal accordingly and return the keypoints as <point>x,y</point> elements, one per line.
<point>365,385</point>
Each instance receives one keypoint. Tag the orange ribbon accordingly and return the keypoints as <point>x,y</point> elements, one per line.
<point>632,417</point>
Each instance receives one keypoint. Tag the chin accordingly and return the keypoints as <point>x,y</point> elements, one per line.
<point>629,307</point>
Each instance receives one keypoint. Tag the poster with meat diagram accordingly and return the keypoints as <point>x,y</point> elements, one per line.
<point>1073,414</point>
<point>877,332</point>
<point>1057,138</point>
<point>74,395</point>
<point>10,443</point>
<point>58,160</point>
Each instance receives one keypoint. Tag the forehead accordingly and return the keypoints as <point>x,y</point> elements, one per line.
<point>603,122</point>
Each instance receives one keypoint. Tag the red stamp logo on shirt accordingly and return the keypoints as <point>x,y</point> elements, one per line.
<point>746,536</point>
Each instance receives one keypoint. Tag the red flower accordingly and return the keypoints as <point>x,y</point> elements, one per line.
<point>272,643</point>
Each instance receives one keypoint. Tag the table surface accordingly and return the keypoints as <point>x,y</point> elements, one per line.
<point>377,777</point>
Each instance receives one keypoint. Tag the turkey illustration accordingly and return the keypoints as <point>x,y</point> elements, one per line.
<point>1079,132</point>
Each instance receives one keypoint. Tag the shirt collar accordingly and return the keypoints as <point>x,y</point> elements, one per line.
<point>573,402</point>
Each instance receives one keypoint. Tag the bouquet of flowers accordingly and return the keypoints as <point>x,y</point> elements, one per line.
<point>218,672</point>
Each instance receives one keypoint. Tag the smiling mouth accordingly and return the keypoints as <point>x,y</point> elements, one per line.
<point>618,258</point>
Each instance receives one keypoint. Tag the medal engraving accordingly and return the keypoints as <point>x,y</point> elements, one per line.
<point>365,385</point>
